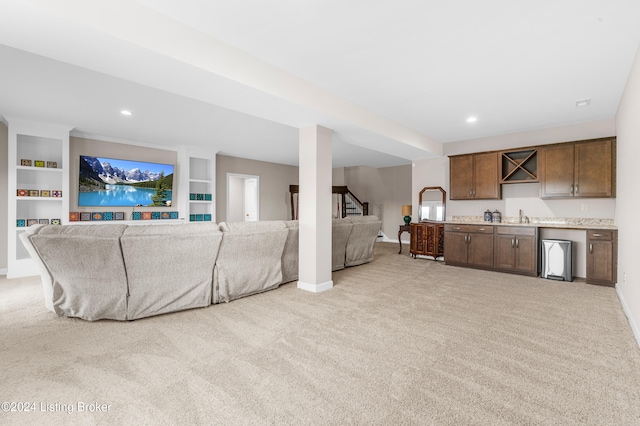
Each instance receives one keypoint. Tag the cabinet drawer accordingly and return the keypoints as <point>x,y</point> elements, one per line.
<point>516,230</point>
<point>598,234</point>
<point>479,229</point>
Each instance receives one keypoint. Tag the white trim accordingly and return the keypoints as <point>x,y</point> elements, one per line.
<point>625,308</point>
<point>316,288</point>
<point>3,271</point>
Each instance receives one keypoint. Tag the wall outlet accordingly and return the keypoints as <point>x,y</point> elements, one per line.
<point>584,207</point>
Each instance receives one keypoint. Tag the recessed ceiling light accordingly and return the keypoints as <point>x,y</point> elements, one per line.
<point>472,119</point>
<point>126,112</point>
<point>583,102</point>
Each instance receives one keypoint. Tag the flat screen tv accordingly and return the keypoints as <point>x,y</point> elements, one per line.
<point>109,182</point>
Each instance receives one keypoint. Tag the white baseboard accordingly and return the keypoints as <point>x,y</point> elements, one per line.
<point>315,288</point>
<point>386,239</point>
<point>627,312</point>
<point>3,271</point>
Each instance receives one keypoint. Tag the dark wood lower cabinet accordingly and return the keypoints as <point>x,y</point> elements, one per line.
<point>469,245</point>
<point>602,257</point>
<point>516,250</point>
<point>427,239</point>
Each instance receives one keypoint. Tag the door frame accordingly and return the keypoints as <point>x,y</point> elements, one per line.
<point>244,177</point>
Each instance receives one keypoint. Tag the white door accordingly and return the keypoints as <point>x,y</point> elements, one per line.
<point>251,199</point>
<point>243,198</point>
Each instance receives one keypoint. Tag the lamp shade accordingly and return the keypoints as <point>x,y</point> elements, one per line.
<point>406,210</point>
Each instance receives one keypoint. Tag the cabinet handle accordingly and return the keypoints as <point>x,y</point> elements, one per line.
<point>517,243</point>
<point>481,229</point>
<point>591,248</point>
<point>457,228</point>
<point>512,242</point>
<point>576,189</point>
<point>597,235</point>
<point>571,190</point>
<point>468,239</point>
<point>471,192</point>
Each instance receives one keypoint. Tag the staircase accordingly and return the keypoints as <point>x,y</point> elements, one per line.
<point>349,204</point>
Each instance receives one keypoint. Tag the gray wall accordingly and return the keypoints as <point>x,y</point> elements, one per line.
<point>274,185</point>
<point>385,189</point>
<point>4,147</point>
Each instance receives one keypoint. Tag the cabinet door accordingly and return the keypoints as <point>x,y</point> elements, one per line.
<point>461,177</point>
<point>480,249</point>
<point>485,170</point>
<point>505,251</point>
<point>455,247</point>
<point>556,171</point>
<point>526,254</point>
<point>600,261</point>
<point>417,238</point>
<point>593,169</point>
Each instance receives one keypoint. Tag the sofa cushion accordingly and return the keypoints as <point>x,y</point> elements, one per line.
<point>86,267</point>
<point>45,276</point>
<point>341,229</point>
<point>290,254</point>
<point>169,267</point>
<point>250,259</point>
<point>362,239</point>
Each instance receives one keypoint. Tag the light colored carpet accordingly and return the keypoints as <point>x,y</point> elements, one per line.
<point>396,341</point>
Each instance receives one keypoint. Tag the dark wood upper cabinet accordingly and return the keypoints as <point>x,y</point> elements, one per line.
<point>583,169</point>
<point>474,176</point>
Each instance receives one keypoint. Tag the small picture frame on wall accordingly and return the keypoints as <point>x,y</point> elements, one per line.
<point>23,192</point>
<point>56,193</point>
<point>21,223</point>
<point>118,216</point>
<point>45,193</point>
<point>56,222</point>
<point>74,216</point>
<point>39,163</point>
<point>43,221</point>
<point>25,162</point>
<point>85,216</point>
<point>52,164</point>
<point>34,193</point>
<point>32,222</point>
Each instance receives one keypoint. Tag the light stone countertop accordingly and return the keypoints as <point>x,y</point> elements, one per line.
<point>540,222</point>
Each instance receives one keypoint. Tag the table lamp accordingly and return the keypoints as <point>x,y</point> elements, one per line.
<point>406,212</point>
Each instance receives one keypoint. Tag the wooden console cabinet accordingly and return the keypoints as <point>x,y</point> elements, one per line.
<point>602,257</point>
<point>427,239</point>
<point>469,245</point>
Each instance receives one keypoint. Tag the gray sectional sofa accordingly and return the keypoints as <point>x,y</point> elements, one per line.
<point>125,272</point>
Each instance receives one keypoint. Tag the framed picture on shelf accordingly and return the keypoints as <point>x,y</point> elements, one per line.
<point>52,164</point>
<point>34,193</point>
<point>25,162</point>
<point>39,163</point>
<point>74,216</point>
<point>43,221</point>
<point>56,222</point>
<point>45,193</point>
<point>32,222</point>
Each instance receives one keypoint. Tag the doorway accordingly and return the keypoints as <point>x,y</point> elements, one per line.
<point>243,198</point>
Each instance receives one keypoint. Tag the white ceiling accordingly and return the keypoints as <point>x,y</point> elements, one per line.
<point>393,79</point>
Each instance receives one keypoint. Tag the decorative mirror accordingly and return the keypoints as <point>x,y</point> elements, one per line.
<point>432,201</point>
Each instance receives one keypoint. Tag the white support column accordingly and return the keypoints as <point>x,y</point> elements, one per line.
<point>315,209</point>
